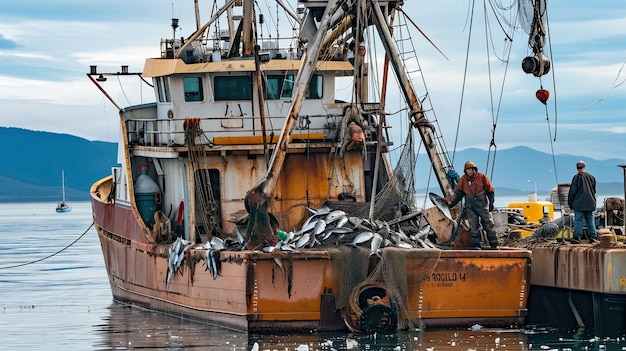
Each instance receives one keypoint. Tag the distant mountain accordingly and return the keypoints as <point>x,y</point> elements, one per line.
<point>32,162</point>
<point>522,170</point>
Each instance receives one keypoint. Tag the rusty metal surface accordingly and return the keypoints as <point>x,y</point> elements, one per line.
<point>581,267</point>
<point>118,219</point>
<point>465,285</point>
<point>261,290</point>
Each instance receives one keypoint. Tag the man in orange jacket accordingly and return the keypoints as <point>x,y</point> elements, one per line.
<point>479,195</point>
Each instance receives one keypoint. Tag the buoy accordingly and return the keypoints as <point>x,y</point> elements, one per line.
<point>542,95</point>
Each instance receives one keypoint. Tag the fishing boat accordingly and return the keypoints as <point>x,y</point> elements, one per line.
<point>63,206</point>
<point>251,196</point>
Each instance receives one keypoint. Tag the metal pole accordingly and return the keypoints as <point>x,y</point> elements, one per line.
<point>624,210</point>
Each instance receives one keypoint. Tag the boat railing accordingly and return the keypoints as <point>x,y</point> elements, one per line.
<point>218,48</point>
<point>221,130</point>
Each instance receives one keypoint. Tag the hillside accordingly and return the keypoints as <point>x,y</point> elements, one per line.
<point>33,161</point>
<point>526,170</point>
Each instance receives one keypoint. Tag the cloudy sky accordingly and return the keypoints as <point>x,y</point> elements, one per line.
<point>46,48</point>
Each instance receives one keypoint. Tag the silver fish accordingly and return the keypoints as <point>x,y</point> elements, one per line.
<point>355,221</point>
<point>441,204</point>
<point>207,261</point>
<point>404,245</point>
<point>336,230</point>
<point>308,225</point>
<point>334,215</point>
<point>341,222</point>
<point>377,240</point>
<point>215,256</point>
<point>340,230</point>
<point>210,262</point>
<point>361,238</point>
<point>319,212</point>
<point>368,224</point>
<point>423,232</point>
<point>303,240</point>
<point>215,243</point>
<point>290,237</point>
<point>181,255</point>
<point>313,242</point>
<point>320,226</point>
<point>240,237</point>
<point>289,248</point>
<point>175,259</point>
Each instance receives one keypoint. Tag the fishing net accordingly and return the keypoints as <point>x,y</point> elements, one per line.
<point>398,195</point>
<point>208,216</point>
<point>400,268</point>
<point>399,272</point>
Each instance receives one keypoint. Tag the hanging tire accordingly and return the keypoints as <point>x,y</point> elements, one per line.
<point>370,310</point>
<point>379,319</point>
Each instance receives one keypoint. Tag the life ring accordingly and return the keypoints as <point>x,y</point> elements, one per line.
<point>157,198</point>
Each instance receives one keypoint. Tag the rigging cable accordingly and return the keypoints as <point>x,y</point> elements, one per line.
<point>51,255</point>
<point>615,85</point>
<point>556,178</point>
<point>494,116</point>
<point>506,59</point>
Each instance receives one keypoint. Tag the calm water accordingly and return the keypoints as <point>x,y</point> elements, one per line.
<point>64,303</point>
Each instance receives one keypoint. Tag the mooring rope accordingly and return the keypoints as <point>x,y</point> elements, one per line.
<point>51,255</point>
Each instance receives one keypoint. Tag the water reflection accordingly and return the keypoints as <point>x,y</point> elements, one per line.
<point>406,340</point>
<point>132,328</point>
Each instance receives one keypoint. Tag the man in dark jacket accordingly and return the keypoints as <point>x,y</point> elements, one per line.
<point>582,200</point>
<point>479,195</point>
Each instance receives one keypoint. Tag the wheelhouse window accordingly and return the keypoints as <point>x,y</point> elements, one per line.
<point>278,86</point>
<point>281,87</point>
<point>193,89</point>
<point>163,89</point>
<point>316,86</point>
<point>232,88</point>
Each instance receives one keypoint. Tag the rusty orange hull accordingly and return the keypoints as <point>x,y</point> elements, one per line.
<point>257,291</point>
<point>484,287</point>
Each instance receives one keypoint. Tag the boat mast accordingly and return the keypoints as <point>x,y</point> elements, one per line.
<point>63,184</point>
<point>302,82</point>
<point>418,119</point>
<point>259,197</point>
<point>199,32</point>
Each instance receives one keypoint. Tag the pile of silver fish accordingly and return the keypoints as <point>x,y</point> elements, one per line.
<point>178,250</point>
<point>176,257</point>
<point>212,259</point>
<point>328,227</point>
<point>324,227</point>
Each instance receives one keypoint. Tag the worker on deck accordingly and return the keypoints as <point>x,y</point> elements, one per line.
<point>479,195</point>
<point>582,200</point>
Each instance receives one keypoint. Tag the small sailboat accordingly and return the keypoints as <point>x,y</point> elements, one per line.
<point>63,206</point>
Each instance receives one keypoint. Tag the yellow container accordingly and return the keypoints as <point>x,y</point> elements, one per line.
<point>534,210</point>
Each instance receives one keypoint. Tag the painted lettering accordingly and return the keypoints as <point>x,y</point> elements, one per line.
<point>444,277</point>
